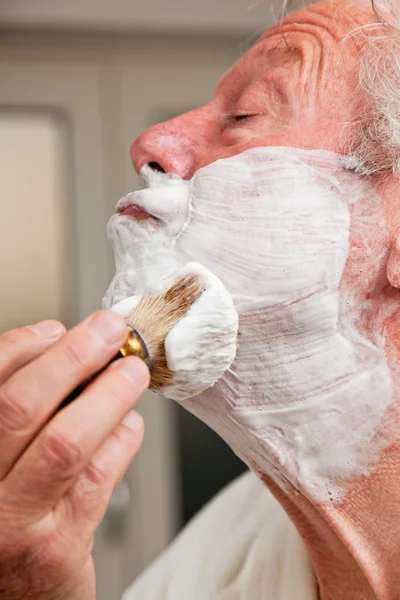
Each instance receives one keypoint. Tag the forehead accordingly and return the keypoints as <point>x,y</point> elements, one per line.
<point>335,18</point>
<point>329,31</point>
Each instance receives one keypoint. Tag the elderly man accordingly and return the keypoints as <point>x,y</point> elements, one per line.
<point>292,169</point>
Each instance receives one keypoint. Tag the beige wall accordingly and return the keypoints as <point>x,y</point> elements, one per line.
<point>207,16</point>
<point>32,220</point>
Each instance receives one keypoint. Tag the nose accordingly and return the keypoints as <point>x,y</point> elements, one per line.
<point>173,146</point>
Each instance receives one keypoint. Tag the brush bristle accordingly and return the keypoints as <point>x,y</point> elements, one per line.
<point>156,315</point>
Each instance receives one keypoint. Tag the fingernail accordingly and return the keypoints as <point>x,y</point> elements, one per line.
<point>134,421</point>
<point>107,325</point>
<point>47,328</point>
<point>135,370</point>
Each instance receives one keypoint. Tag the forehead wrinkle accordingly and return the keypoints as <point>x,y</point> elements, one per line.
<point>303,21</point>
<point>320,49</point>
<point>273,46</point>
<point>338,19</point>
<point>318,30</point>
<point>315,59</point>
<point>358,14</point>
<point>273,56</point>
<point>334,18</point>
<point>315,64</point>
<point>312,63</point>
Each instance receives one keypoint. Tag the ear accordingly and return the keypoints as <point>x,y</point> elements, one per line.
<point>393,266</point>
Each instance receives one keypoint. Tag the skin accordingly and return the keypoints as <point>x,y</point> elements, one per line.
<point>298,87</point>
<point>57,473</point>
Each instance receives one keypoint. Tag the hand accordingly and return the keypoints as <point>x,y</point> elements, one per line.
<point>59,469</point>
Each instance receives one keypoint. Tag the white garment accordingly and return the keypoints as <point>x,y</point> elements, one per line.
<point>240,547</point>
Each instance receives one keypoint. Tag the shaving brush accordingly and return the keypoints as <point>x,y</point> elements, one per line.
<point>184,328</point>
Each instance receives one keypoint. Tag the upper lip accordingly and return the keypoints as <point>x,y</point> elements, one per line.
<point>129,201</point>
<point>125,202</point>
<point>161,203</point>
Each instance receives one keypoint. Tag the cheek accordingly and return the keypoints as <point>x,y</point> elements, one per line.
<point>235,142</point>
<point>364,277</point>
<point>271,237</point>
<point>255,130</point>
<point>324,136</point>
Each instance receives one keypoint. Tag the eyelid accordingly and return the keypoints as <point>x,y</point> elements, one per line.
<point>240,116</point>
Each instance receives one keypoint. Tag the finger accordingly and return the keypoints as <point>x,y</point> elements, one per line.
<point>90,494</point>
<point>20,346</point>
<point>30,396</point>
<point>66,445</point>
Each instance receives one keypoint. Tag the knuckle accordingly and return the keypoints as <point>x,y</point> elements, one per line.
<point>117,387</point>
<point>14,416</point>
<point>118,434</point>
<point>122,435</point>
<point>95,474</point>
<point>74,356</point>
<point>57,325</point>
<point>17,337</point>
<point>61,456</point>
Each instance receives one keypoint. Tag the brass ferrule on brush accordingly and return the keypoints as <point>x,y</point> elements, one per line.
<point>134,346</point>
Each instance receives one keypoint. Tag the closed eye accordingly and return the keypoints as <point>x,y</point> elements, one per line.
<point>232,119</point>
<point>240,117</point>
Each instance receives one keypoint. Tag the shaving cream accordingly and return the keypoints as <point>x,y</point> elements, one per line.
<point>208,328</point>
<point>309,388</point>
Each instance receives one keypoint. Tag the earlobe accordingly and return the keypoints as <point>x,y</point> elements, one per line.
<point>393,266</point>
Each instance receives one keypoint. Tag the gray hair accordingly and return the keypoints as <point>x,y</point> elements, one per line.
<point>375,145</point>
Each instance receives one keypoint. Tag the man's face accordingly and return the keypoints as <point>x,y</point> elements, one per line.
<point>297,87</point>
<point>252,186</point>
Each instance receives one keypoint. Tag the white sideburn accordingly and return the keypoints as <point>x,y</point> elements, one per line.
<point>202,346</point>
<point>307,391</point>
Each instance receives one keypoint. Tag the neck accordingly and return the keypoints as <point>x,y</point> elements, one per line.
<point>347,512</point>
<point>354,542</point>
<point>337,566</point>
<point>354,545</point>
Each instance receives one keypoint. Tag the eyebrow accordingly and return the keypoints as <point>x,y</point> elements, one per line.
<point>285,39</point>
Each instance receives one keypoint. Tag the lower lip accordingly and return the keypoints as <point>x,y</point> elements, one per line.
<point>136,212</point>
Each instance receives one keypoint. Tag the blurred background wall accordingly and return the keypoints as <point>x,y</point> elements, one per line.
<point>79,81</point>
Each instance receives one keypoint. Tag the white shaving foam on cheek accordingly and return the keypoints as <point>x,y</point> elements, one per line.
<point>202,345</point>
<point>307,392</point>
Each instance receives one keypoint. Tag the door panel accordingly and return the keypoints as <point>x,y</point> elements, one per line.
<point>74,92</point>
<point>32,217</point>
